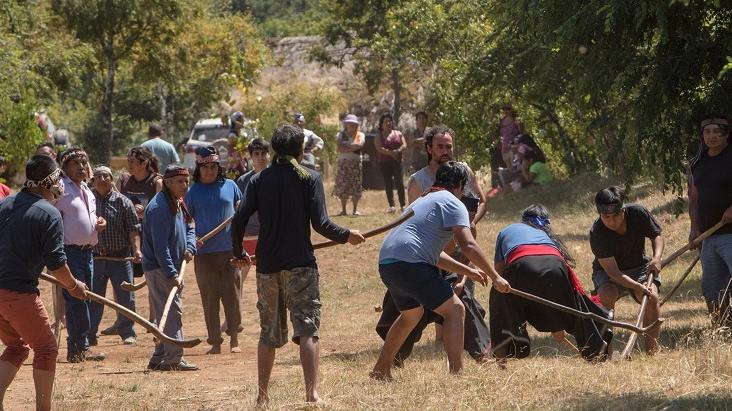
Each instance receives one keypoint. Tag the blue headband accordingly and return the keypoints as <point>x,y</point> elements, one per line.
<point>538,221</point>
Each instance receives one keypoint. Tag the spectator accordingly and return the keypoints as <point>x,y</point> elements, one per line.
<point>415,141</point>
<point>46,149</point>
<point>81,228</point>
<point>534,171</point>
<point>164,151</point>
<point>211,200</point>
<point>120,239</point>
<point>236,163</point>
<point>508,128</point>
<point>312,143</point>
<point>348,177</point>
<point>390,144</point>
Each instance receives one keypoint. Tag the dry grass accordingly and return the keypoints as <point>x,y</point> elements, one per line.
<point>694,371</point>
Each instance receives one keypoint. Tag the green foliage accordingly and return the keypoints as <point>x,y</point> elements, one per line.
<point>19,134</point>
<point>282,18</point>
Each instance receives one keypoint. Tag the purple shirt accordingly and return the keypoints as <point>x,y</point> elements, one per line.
<point>78,209</point>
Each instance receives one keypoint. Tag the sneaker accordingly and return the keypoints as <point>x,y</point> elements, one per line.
<point>391,210</point>
<point>93,342</point>
<point>153,366</point>
<point>356,214</point>
<point>181,366</point>
<point>129,341</point>
<point>110,330</point>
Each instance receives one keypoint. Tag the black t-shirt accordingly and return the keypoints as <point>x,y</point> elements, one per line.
<point>713,181</point>
<point>629,248</point>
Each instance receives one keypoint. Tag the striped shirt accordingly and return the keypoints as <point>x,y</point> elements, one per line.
<point>122,220</point>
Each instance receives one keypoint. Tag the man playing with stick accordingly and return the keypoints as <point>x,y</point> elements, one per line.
<point>289,198</point>
<point>168,238</point>
<point>621,267</point>
<point>710,201</point>
<point>410,261</point>
<point>31,236</point>
<point>118,242</point>
<point>211,200</point>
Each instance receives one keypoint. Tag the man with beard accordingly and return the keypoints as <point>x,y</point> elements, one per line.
<point>439,146</point>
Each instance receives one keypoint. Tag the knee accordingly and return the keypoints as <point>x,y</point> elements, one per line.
<point>608,294</point>
<point>15,355</point>
<point>456,310</point>
<point>44,356</point>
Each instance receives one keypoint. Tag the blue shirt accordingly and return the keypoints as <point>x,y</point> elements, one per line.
<point>210,205</point>
<point>164,151</point>
<point>422,238</point>
<point>31,236</point>
<point>516,235</point>
<point>165,237</point>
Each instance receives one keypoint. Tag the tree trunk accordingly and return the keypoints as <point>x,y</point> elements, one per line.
<point>569,148</point>
<point>396,86</point>
<point>108,104</point>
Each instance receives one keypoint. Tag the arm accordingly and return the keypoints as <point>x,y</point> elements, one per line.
<point>158,185</point>
<point>482,207</point>
<point>475,255</point>
<point>611,268</point>
<point>527,175</point>
<point>132,225</point>
<point>413,190</point>
<point>75,287</point>
<point>163,223</point>
<point>404,144</point>
<point>240,220</point>
<point>379,148</point>
<point>657,244</point>
<point>319,215</point>
<point>317,142</point>
<point>693,210</point>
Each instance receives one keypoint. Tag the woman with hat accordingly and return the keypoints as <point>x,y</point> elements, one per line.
<point>211,200</point>
<point>348,177</point>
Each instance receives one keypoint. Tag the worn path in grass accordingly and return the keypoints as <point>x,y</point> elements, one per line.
<point>694,371</point>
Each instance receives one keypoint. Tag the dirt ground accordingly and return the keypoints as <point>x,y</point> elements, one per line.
<point>693,371</point>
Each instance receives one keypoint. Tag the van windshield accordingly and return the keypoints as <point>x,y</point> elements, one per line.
<point>210,134</point>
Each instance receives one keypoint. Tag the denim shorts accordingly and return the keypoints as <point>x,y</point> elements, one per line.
<point>639,274</point>
<point>415,284</point>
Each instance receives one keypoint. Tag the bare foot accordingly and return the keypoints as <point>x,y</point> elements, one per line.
<point>381,375</point>
<point>314,401</point>
<point>215,349</point>
<point>235,350</point>
<point>262,401</point>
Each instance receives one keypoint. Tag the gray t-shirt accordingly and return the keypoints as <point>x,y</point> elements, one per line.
<point>421,238</point>
<point>425,179</point>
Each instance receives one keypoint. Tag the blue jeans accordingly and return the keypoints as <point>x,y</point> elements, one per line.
<point>158,290</point>
<point>716,259</point>
<point>117,272</point>
<point>77,311</point>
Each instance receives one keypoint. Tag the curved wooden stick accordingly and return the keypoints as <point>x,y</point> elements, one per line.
<point>703,236</point>
<point>582,314</point>
<point>680,280</point>
<point>171,296</point>
<point>138,286</point>
<point>105,258</point>
<point>132,316</point>
<point>639,321</point>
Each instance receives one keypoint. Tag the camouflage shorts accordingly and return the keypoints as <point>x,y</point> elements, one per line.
<point>296,290</point>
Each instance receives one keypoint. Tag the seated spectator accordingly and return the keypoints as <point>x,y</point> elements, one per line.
<point>511,176</point>
<point>534,171</point>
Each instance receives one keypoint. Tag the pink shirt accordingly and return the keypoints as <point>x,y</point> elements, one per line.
<point>79,212</point>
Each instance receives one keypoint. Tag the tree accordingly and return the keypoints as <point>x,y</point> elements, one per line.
<point>113,29</point>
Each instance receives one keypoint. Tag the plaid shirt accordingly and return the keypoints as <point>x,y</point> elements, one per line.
<point>121,218</point>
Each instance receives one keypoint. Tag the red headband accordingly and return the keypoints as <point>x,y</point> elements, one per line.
<point>175,172</point>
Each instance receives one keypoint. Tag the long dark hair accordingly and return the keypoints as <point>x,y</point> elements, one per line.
<point>220,177</point>
<point>537,216</point>
<point>383,117</point>
<point>703,147</point>
<point>143,154</point>
<point>173,204</point>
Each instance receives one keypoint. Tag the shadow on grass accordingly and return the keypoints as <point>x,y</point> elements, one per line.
<point>643,401</point>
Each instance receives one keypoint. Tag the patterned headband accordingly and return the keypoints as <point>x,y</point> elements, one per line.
<point>208,159</point>
<point>719,121</point>
<point>74,155</point>
<point>47,182</point>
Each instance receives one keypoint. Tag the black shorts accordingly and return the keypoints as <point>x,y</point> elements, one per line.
<point>415,284</point>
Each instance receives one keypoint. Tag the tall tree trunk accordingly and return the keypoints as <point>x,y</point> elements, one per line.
<point>396,86</point>
<point>108,104</point>
<point>569,148</point>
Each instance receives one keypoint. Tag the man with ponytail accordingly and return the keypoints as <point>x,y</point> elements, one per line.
<point>621,267</point>
<point>410,261</point>
<point>534,260</point>
<point>168,238</point>
<point>288,198</point>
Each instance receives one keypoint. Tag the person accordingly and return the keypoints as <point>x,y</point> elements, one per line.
<point>259,152</point>
<point>236,164</point>
<point>508,128</point>
<point>415,142</point>
<point>121,239</point>
<point>710,201</point>
<point>167,239</point>
<point>496,163</point>
<point>211,200</point>
<point>164,151</point>
<point>349,175</point>
<point>81,228</point>
<point>620,267</point>
<point>4,190</point>
<point>289,198</point>
<point>31,237</point>
<point>390,144</point>
<point>313,142</point>
<point>535,260</point>
<point>46,149</point>
<point>534,171</point>
<point>408,264</point>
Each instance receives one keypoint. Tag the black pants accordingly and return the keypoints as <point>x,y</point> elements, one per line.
<point>496,163</point>
<point>548,277</point>
<point>392,172</point>
<point>477,337</point>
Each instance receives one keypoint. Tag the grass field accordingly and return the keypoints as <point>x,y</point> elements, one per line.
<point>693,370</point>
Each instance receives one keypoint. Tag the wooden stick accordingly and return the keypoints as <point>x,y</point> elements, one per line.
<point>634,336</point>
<point>680,280</point>
<point>105,258</point>
<point>171,296</point>
<point>132,316</point>
<point>694,243</point>
<point>582,314</point>
<point>133,287</point>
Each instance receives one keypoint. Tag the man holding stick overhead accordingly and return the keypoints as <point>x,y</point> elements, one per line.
<point>621,267</point>
<point>710,200</point>
<point>31,236</point>
<point>289,198</point>
<point>168,238</point>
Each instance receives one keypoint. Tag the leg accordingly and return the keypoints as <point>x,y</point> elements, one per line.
<point>396,336</point>
<point>77,311</point>
<point>7,375</point>
<point>354,200</point>
<point>119,273</point>
<point>608,294</point>
<point>653,311</point>
<point>230,291</point>
<point>344,200</point>
<point>453,312</point>
<point>388,182</point>
<point>309,358</point>
<point>265,362</point>
<point>208,284</point>
<point>43,381</point>
<point>399,180</point>
<point>96,310</point>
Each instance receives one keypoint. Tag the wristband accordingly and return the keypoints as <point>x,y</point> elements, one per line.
<point>76,285</point>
